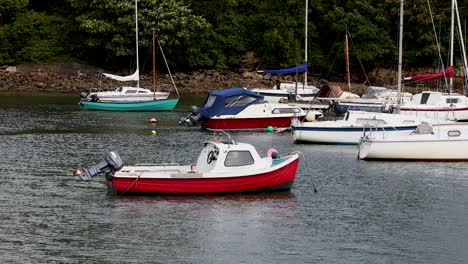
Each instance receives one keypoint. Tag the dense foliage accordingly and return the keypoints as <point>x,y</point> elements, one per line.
<point>220,34</point>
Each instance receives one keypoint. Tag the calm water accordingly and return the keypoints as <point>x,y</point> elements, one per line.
<point>363,212</point>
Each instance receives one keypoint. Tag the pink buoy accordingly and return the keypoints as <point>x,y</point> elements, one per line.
<point>273,153</point>
<point>152,120</point>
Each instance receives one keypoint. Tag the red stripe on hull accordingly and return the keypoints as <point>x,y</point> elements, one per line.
<point>257,182</point>
<point>434,110</point>
<point>248,123</point>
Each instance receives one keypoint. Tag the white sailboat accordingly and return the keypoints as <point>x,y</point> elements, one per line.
<point>351,128</point>
<point>448,142</point>
<point>436,143</point>
<point>354,125</point>
<point>448,106</point>
<point>437,105</point>
<point>126,94</point>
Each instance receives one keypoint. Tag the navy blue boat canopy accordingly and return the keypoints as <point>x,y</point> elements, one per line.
<point>300,69</point>
<point>229,101</point>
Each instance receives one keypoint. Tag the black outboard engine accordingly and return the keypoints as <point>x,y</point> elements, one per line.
<point>339,109</point>
<point>191,119</point>
<point>94,98</point>
<point>109,166</point>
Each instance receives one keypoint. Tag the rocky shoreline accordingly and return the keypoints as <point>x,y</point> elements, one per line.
<point>68,79</point>
<point>71,79</point>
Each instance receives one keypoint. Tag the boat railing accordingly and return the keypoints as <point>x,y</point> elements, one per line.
<point>166,87</point>
<point>218,134</point>
<point>368,129</point>
<point>158,164</point>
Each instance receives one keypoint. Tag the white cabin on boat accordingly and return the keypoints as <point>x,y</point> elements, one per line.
<point>437,105</point>
<point>127,94</point>
<point>225,157</point>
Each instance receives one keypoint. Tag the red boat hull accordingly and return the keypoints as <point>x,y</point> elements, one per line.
<point>280,179</point>
<point>248,123</point>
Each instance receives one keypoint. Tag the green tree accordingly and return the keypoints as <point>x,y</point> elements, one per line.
<point>10,8</point>
<point>107,27</point>
<point>370,42</point>
<point>33,37</point>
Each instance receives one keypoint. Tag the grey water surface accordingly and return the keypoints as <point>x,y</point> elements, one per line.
<point>363,212</point>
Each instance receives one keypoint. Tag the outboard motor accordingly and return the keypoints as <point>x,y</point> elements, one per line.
<point>83,95</point>
<point>339,109</point>
<point>191,119</point>
<point>111,163</point>
<point>94,98</point>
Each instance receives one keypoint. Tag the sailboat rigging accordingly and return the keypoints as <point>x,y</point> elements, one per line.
<point>283,91</point>
<point>130,98</point>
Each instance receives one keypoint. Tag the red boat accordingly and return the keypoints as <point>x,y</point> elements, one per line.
<point>241,109</point>
<point>222,167</point>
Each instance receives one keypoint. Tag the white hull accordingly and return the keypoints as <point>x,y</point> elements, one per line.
<point>125,95</point>
<point>441,113</point>
<point>347,137</point>
<point>352,128</point>
<point>443,144</point>
<point>438,106</point>
<point>136,98</point>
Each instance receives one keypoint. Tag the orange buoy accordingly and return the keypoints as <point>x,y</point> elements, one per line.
<point>77,171</point>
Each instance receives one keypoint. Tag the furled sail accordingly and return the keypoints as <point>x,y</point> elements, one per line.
<point>134,77</point>
<point>447,72</point>
<point>300,69</point>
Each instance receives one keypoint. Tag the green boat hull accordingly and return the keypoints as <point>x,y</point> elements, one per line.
<point>158,105</point>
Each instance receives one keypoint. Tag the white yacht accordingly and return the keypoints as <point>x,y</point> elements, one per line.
<point>125,94</point>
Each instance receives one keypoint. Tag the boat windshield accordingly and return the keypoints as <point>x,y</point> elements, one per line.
<point>211,99</point>
<point>285,110</point>
<point>240,100</point>
<point>238,158</point>
<point>424,98</point>
<point>452,101</point>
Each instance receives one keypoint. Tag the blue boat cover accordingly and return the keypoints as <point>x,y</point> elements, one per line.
<point>300,69</point>
<point>228,101</point>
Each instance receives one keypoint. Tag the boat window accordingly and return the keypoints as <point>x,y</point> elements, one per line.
<point>408,122</point>
<point>452,100</point>
<point>238,100</point>
<point>130,91</point>
<point>285,110</point>
<point>211,99</point>
<point>370,121</point>
<point>142,92</point>
<point>454,133</point>
<point>424,98</point>
<point>238,158</point>
<point>119,89</point>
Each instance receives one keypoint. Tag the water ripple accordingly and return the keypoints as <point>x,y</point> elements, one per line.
<point>363,211</point>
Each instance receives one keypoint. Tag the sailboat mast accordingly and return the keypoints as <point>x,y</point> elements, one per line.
<point>346,51</point>
<point>154,67</point>
<point>400,57</point>
<point>452,24</point>
<point>136,37</point>
<point>462,42</point>
<point>305,39</point>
